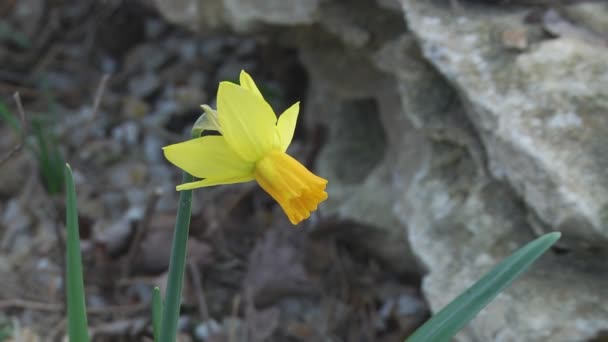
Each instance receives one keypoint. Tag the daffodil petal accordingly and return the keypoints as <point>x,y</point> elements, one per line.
<point>208,157</point>
<point>297,190</point>
<point>287,125</point>
<point>248,83</point>
<point>212,182</point>
<point>247,121</point>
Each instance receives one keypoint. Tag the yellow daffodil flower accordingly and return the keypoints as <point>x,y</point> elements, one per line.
<point>251,146</point>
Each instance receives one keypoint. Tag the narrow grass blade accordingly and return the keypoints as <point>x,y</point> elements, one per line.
<point>77,313</point>
<point>445,324</point>
<point>12,121</point>
<point>157,310</point>
<point>49,158</point>
<point>6,331</point>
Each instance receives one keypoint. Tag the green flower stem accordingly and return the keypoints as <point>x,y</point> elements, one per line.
<point>177,264</point>
<point>77,312</point>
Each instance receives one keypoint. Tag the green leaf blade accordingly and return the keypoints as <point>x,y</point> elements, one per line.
<point>77,313</point>
<point>157,311</point>
<point>446,323</point>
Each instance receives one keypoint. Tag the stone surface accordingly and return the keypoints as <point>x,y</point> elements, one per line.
<point>243,13</point>
<point>194,14</point>
<point>360,106</point>
<point>239,14</point>
<point>539,112</point>
<point>515,150</point>
<point>592,16</point>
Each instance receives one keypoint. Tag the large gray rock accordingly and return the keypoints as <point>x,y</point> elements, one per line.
<point>540,112</point>
<point>462,220</point>
<point>517,148</point>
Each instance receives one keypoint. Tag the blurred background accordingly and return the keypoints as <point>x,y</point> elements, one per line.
<point>451,132</point>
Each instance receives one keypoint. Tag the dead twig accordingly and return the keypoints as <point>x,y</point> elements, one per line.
<point>215,226</point>
<point>120,309</point>
<point>195,274</point>
<point>233,327</point>
<point>22,115</point>
<point>58,307</point>
<point>57,331</point>
<point>27,91</point>
<point>28,304</point>
<point>24,130</point>
<point>343,287</point>
<point>97,100</point>
<point>115,330</point>
<point>140,230</point>
<point>98,95</point>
